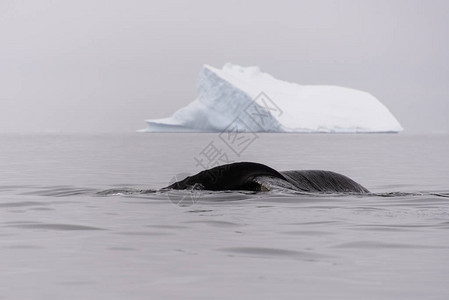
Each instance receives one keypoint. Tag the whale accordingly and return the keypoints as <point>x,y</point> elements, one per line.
<point>251,176</point>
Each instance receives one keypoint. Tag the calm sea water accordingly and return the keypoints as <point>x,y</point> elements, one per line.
<point>81,218</point>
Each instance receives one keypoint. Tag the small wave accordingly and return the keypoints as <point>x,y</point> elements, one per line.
<point>21,204</point>
<point>216,223</point>
<point>48,226</point>
<point>279,194</point>
<point>274,252</point>
<point>375,244</point>
<point>408,194</point>
<point>124,192</point>
<point>444,195</point>
<point>60,191</point>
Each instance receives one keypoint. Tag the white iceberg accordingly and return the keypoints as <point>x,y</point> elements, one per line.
<point>245,99</point>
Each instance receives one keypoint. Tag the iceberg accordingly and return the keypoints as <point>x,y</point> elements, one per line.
<point>245,99</point>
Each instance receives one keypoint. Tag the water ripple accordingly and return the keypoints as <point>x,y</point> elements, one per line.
<point>274,252</point>
<point>376,245</point>
<point>63,227</point>
<point>21,204</point>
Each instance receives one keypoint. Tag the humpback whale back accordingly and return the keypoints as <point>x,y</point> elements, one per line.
<point>258,177</point>
<point>322,181</point>
<point>236,176</point>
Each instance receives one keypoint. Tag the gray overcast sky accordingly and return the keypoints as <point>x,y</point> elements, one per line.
<point>107,65</point>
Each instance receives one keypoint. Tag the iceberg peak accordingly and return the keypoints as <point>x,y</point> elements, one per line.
<point>246,99</point>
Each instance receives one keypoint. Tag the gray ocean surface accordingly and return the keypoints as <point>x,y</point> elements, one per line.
<point>81,217</point>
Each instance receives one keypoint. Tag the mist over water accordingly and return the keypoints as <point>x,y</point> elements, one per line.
<point>81,216</point>
<point>97,65</point>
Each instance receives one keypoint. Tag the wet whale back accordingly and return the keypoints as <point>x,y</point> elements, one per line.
<point>322,181</point>
<point>236,176</point>
<point>258,177</point>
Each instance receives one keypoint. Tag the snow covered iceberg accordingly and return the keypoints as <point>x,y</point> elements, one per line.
<point>247,100</point>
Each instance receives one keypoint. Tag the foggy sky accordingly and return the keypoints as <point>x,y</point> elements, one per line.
<point>108,65</point>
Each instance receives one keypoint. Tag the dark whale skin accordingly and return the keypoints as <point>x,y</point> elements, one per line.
<point>323,181</point>
<point>235,176</point>
<point>245,175</point>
